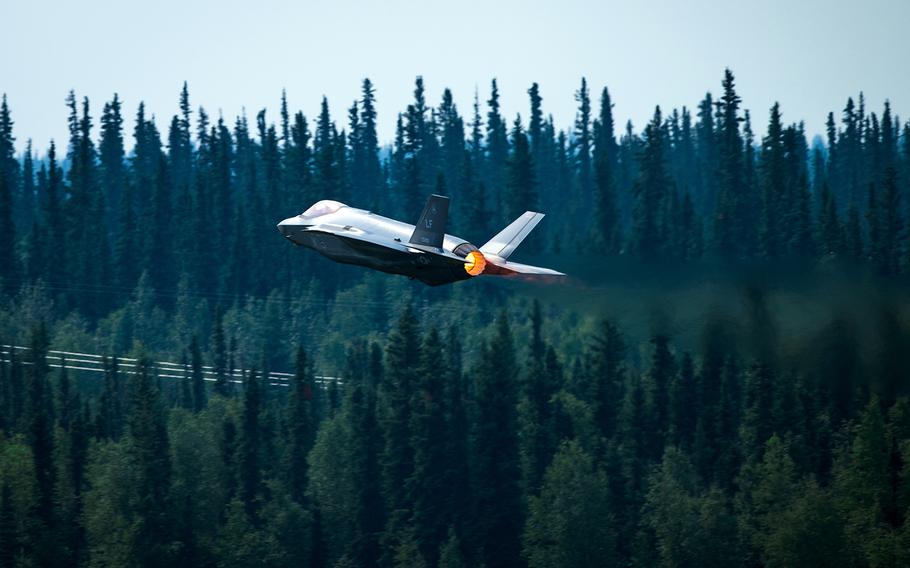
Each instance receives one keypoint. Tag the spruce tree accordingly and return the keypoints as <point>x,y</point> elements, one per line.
<point>772,184</point>
<point>682,411</point>
<point>452,155</point>
<point>301,425</point>
<point>425,486</point>
<point>148,446</point>
<point>9,169</point>
<point>582,146</point>
<point>706,156</point>
<point>249,467</point>
<point>25,205</point>
<point>536,133</point>
<point>402,355</point>
<point>9,545</point>
<point>729,219</point>
<point>892,224</point>
<point>112,156</point>
<point>542,379</point>
<point>496,470</point>
<point>606,215</point>
<point>360,413</point>
<point>520,193</point>
<point>830,233</point>
<point>660,375</point>
<point>325,171</point>
<point>456,452</point>
<point>40,437</point>
<point>497,150</point>
<point>651,193</point>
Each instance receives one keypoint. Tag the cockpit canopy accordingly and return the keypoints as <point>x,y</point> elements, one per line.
<point>323,207</point>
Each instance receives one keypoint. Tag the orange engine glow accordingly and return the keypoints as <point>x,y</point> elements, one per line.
<point>475,263</point>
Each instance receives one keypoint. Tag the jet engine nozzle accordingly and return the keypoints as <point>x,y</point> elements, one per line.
<point>475,262</point>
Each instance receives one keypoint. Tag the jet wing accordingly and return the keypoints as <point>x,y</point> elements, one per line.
<point>359,235</point>
<point>438,252</point>
<point>391,243</point>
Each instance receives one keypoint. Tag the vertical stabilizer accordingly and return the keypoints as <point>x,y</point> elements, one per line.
<point>505,243</point>
<point>431,227</point>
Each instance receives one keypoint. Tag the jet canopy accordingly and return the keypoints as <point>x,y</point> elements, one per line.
<point>323,207</point>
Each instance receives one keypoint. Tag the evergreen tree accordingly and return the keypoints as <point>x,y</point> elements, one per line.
<point>111,410</point>
<point>497,147</point>
<point>325,169</point>
<point>360,412</point>
<point>862,483</point>
<point>520,193</point>
<point>425,486</point>
<point>249,470</point>
<point>682,411</point>
<point>706,156</point>
<point>651,192</point>
<point>149,452</point>
<point>606,215</point>
<point>452,156</point>
<point>583,142</point>
<point>830,233</point>
<point>660,375</point>
<point>301,426</point>
<point>397,456</point>
<point>729,220</point>
<point>9,170</point>
<point>365,159</point>
<point>180,146</point>
<point>40,437</point>
<point>892,224</point>
<point>537,135</point>
<point>26,197</point>
<point>536,420</point>
<point>605,376</point>
<point>457,432</point>
<point>569,523</point>
<point>772,184</point>
<point>496,471</point>
<point>9,545</point>
<point>112,157</point>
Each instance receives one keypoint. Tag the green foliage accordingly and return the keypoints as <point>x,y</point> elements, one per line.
<point>570,522</point>
<point>584,439</point>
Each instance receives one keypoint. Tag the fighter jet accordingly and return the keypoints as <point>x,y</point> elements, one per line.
<point>425,251</point>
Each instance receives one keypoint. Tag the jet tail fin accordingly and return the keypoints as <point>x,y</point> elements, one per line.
<point>508,239</point>
<point>431,227</point>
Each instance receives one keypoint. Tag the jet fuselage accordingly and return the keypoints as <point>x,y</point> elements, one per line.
<point>356,236</point>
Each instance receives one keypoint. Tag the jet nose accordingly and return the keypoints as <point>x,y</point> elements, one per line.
<point>291,228</point>
<point>286,227</point>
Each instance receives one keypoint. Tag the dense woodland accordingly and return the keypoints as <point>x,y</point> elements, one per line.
<point>481,424</point>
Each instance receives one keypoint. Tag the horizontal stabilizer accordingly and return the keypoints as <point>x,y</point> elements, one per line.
<point>505,243</point>
<point>431,227</point>
<point>506,268</point>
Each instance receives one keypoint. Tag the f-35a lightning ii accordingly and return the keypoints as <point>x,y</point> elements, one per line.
<point>425,251</point>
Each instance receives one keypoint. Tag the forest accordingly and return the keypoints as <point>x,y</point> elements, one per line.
<point>723,379</point>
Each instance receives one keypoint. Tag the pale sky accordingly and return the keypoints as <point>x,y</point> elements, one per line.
<point>809,55</point>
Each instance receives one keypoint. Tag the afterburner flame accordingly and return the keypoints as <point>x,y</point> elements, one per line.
<point>475,263</point>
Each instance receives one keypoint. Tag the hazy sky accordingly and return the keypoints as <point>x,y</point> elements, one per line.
<point>809,55</point>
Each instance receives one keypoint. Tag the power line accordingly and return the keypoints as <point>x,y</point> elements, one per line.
<point>93,363</point>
